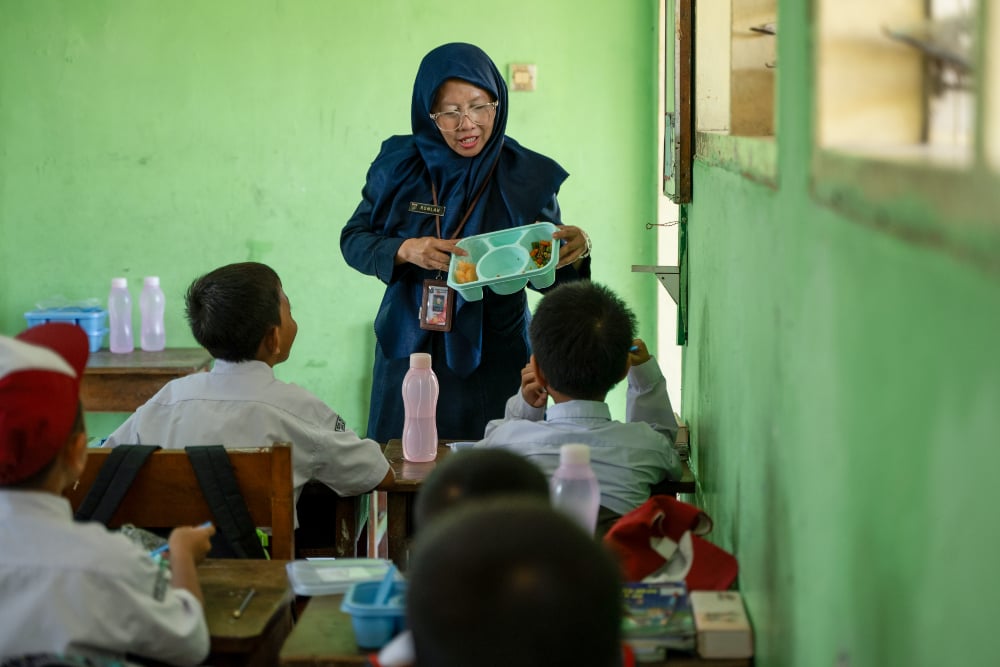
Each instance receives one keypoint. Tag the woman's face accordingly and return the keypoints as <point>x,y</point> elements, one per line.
<point>457,95</point>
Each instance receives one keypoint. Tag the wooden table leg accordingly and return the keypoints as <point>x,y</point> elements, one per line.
<point>397,527</point>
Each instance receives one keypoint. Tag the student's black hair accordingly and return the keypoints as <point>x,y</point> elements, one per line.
<point>231,308</point>
<point>581,333</point>
<point>504,582</point>
<point>475,474</point>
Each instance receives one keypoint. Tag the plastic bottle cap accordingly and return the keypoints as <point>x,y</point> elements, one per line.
<point>152,281</point>
<point>420,360</point>
<point>119,282</point>
<point>574,454</point>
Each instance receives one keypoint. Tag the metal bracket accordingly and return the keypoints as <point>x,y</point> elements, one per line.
<point>669,276</point>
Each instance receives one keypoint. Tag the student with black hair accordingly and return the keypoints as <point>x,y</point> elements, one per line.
<point>583,344</point>
<point>467,476</point>
<point>241,315</point>
<point>474,474</point>
<point>511,581</point>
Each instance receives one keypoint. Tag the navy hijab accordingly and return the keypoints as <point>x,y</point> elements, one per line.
<point>522,185</point>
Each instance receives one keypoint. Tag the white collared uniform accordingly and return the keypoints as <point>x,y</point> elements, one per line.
<point>627,458</point>
<point>75,588</point>
<point>244,405</point>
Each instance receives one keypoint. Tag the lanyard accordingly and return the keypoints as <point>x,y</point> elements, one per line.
<point>472,206</point>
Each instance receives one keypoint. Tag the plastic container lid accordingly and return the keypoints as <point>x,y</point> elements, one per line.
<point>420,360</point>
<point>574,454</point>
<point>119,282</point>
<point>151,281</point>
<point>327,576</point>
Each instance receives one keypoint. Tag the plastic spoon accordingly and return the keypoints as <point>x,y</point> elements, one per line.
<point>385,586</point>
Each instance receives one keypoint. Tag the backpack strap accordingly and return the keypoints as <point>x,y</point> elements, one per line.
<point>112,482</point>
<point>222,493</point>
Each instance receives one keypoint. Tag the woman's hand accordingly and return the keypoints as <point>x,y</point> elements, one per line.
<point>533,393</point>
<point>428,252</point>
<point>577,244</point>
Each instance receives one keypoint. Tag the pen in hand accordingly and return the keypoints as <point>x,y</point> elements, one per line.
<point>163,548</point>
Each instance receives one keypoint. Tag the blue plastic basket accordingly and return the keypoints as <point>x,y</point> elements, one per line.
<point>91,320</point>
<point>374,624</point>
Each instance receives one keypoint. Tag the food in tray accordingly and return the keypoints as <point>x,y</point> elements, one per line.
<point>541,252</point>
<point>465,272</point>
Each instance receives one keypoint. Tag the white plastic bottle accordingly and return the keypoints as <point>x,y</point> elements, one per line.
<point>120,339</point>
<point>420,395</point>
<point>574,486</point>
<point>152,337</point>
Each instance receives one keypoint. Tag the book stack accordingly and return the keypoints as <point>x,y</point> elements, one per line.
<point>658,618</point>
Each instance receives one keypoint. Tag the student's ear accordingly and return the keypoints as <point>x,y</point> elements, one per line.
<point>628,365</point>
<point>270,346</point>
<point>539,375</point>
<point>73,456</point>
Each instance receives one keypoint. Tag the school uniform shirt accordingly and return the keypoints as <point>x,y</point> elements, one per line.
<point>77,589</point>
<point>627,458</point>
<point>244,405</point>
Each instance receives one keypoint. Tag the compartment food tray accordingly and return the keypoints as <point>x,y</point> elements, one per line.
<point>503,261</point>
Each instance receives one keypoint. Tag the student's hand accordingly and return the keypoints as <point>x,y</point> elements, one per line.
<point>533,393</point>
<point>196,541</point>
<point>577,244</point>
<point>429,252</point>
<point>639,354</point>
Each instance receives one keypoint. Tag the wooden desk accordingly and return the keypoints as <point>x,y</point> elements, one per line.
<point>323,637</point>
<point>123,382</point>
<point>400,496</point>
<point>256,637</point>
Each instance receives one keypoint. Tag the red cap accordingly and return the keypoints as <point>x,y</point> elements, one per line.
<point>40,374</point>
<point>663,537</point>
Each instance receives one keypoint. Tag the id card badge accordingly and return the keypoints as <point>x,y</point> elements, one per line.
<point>437,306</point>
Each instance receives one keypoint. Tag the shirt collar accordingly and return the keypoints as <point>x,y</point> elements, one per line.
<point>571,410</point>
<point>223,367</point>
<point>32,504</point>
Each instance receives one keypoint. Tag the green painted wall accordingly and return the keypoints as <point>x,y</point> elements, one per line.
<point>842,384</point>
<point>146,137</point>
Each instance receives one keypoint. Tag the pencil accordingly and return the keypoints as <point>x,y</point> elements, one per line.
<point>243,605</point>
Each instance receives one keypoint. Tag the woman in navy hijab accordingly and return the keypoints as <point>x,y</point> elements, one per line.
<point>457,175</point>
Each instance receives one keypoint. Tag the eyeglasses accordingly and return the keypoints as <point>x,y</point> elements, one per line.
<point>449,121</point>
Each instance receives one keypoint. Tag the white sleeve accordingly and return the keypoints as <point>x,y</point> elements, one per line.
<point>517,408</point>
<point>647,399</point>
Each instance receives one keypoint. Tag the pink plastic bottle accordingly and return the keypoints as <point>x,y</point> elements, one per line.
<point>152,337</point>
<point>420,395</point>
<point>574,486</point>
<point>120,317</point>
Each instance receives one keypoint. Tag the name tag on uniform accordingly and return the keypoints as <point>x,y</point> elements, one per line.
<point>431,209</point>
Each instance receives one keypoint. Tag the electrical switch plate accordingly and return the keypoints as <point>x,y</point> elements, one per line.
<point>522,77</point>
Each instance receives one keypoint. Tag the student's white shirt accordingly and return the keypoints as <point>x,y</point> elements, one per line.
<point>627,457</point>
<point>244,405</point>
<point>75,588</point>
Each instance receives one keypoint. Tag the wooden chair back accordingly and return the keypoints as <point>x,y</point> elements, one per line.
<point>165,492</point>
